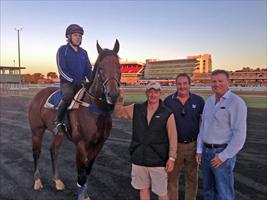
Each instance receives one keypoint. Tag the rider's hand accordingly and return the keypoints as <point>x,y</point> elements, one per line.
<point>84,83</point>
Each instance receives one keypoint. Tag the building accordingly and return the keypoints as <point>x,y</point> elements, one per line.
<point>165,71</point>
<point>10,74</point>
<point>131,72</point>
<point>237,78</point>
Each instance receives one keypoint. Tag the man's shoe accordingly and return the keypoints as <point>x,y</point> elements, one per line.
<point>59,128</point>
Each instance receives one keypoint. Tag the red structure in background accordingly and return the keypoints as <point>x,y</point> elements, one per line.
<point>131,72</point>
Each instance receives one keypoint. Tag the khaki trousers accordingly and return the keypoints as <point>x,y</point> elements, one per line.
<point>185,158</point>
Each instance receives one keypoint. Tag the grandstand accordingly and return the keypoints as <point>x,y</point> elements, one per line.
<point>237,78</point>
<point>198,67</point>
<point>131,72</point>
<point>10,74</point>
<point>165,71</point>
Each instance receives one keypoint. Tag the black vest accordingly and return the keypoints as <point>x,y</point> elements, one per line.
<point>150,144</point>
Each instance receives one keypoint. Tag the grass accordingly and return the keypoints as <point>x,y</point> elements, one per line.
<point>135,96</point>
<point>251,101</point>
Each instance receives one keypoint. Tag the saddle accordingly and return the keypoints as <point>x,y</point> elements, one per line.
<point>53,100</point>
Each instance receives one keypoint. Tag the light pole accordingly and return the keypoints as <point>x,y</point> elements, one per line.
<point>18,30</point>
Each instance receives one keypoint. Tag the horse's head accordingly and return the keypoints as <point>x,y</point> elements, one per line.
<point>105,81</point>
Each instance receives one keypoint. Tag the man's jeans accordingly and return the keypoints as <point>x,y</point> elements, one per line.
<point>218,183</point>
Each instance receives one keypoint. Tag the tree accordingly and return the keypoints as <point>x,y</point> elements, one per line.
<point>37,76</point>
<point>26,78</point>
<point>51,75</point>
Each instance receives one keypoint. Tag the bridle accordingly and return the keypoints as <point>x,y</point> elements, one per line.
<point>100,78</point>
<point>110,78</point>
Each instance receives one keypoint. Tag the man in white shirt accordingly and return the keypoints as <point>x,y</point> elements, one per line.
<point>222,135</point>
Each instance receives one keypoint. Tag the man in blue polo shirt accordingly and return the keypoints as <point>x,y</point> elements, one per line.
<point>73,66</point>
<point>187,109</point>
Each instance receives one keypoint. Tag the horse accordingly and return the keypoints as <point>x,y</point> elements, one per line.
<point>91,122</point>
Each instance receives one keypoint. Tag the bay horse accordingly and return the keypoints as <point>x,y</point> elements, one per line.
<point>90,127</point>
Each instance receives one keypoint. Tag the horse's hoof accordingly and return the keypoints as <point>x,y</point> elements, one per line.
<point>59,185</point>
<point>38,184</point>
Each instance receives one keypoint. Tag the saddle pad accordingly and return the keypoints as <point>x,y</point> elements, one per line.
<point>54,99</point>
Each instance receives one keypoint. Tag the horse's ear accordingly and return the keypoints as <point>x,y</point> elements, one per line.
<point>99,49</point>
<point>116,47</point>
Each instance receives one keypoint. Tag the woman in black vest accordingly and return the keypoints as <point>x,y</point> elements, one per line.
<point>153,147</point>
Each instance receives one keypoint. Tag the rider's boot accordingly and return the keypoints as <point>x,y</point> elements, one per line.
<point>59,128</point>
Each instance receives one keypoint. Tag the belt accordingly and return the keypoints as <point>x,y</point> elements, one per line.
<point>210,146</point>
<point>187,141</point>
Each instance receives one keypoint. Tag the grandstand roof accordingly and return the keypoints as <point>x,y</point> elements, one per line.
<point>164,61</point>
<point>131,63</point>
<point>13,68</point>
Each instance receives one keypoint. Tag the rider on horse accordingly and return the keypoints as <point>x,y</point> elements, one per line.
<point>73,66</point>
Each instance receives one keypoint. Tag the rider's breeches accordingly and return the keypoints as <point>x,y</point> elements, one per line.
<point>68,92</point>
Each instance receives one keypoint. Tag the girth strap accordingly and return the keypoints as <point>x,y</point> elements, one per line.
<point>93,108</point>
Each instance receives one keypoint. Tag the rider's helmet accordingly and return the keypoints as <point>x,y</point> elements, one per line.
<point>74,28</point>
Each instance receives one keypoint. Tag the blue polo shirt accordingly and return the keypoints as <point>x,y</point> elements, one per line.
<point>187,116</point>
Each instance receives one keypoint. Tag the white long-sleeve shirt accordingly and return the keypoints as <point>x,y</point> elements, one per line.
<point>224,122</point>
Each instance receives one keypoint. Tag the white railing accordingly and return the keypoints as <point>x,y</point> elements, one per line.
<point>25,87</point>
<point>21,89</point>
<point>234,88</point>
<point>17,86</point>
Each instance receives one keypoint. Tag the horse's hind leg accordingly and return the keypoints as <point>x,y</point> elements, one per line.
<point>37,137</point>
<point>54,151</point>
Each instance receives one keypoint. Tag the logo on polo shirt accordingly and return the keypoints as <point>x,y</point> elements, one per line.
<point>157,116</point>
<point>194,106</point>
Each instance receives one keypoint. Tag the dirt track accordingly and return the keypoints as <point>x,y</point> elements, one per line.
<point>110,177</point>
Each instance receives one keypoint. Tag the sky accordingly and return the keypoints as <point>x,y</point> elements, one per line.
<point>233,32</point>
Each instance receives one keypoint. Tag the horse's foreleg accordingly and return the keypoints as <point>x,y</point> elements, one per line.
<point>89,166</point>
<point>82,169</point>
<point>37,137</point>
<point>54,151</point>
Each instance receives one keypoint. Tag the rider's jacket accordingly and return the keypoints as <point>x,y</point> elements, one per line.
<point>73,66</point>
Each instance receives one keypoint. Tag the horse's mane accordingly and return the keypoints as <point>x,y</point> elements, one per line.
<point>103,53</point>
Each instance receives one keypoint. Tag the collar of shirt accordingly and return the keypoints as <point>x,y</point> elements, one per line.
<point>175,95</point>
<point>78,48</point>
<point>226,95</point>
